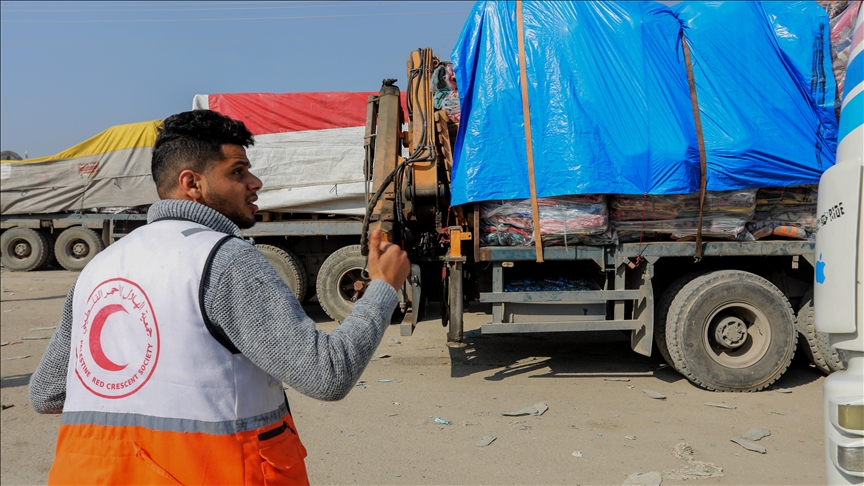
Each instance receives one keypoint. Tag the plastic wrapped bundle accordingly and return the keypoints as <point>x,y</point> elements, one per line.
<point>793,195</point>
<point>785,211</point>
<point>445,91</point>
<point>563,220</point>
<point>842,15</point>
<point>725,214</point>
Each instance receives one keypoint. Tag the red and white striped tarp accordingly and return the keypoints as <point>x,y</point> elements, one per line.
<point>308,147</point>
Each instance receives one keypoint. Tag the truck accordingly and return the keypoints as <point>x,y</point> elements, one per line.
<point>725,313</point>
<point>838,312</point>
<point>64,209</point>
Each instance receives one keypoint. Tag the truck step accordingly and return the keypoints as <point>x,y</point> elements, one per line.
<point>505,328</point>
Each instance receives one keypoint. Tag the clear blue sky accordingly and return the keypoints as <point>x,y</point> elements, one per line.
<point>68,70</point>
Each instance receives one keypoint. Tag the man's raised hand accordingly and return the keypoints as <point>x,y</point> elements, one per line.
<point>387,262</point>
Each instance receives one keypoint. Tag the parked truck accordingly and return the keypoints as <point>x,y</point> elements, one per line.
<point>839,290</point>
<point>544,91</point>
<point>308,152</point>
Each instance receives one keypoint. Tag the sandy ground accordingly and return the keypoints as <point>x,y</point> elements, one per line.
<point>598,429</point>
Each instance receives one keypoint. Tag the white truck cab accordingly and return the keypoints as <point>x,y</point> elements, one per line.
<point>839,287</point>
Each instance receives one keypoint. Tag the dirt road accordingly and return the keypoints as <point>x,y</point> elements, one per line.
<point>600,427</point>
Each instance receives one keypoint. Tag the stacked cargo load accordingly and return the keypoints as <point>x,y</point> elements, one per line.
<point>785,211</point>
<point>625,127</point>
<point>724,216</point>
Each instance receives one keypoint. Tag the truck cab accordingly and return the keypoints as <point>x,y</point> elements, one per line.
<point>839,287</point>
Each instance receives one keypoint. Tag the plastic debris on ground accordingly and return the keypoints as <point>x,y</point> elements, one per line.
<point>652,478</point>
<point>577,454</point>
<point>563,220</point>
<point>721,405</point>
<point>442,421</point>
<point>485,441</point>
<point>655,395</point>
<point>537,410</point>
<point>749,445</point>
<point>756,434</point>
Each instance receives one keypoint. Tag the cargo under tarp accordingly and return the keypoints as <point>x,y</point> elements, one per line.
<point>109,169</point>
<point>610,107</point>
<point>308,152</point>
<point>308,147</point>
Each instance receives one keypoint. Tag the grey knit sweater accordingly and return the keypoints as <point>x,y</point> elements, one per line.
<point>258,313</point>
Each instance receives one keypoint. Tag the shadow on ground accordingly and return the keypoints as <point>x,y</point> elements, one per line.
<point>572,355</point>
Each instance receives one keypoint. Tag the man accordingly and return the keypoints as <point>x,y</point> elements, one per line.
<point>169,359</point>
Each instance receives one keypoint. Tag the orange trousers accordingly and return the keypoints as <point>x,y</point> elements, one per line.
<point>97,454</point>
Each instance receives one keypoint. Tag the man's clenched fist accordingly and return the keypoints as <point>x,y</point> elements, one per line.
<point>387,262</point>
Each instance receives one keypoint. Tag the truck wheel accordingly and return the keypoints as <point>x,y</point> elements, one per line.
<point>76,246</point>
<point>341,282</point>
<point>824,356</point>
<point>730,330</point>
<point>49,248</point>
<point>288,266</point>
<point>661,313</point>
<point>24,249</point>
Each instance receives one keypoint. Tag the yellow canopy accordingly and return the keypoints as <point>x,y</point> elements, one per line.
<point>132,135</point>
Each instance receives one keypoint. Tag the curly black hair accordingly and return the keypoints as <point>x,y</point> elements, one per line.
<point>193,140</point>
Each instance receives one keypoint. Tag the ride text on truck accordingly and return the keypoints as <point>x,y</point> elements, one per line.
<point>577,191</point>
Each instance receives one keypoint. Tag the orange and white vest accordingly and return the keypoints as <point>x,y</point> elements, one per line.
<point>152,396</point>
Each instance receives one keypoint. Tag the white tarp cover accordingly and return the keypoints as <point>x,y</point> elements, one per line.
<point>308,147</point>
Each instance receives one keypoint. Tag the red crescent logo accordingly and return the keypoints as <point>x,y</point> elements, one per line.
<point>96,338</point>
<point>134,337</point>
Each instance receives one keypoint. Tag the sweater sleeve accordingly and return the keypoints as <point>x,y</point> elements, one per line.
<point>48,383</point>
<point>246,298</point>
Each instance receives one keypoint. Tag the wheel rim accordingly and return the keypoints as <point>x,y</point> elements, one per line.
<point>736,335</point>
<point>77,249</point>
<point>352,285</point>
<point>21,249</point>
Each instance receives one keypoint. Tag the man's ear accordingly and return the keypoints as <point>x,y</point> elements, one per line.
<point>189,184</point>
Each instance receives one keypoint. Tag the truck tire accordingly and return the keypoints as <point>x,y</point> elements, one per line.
<point>288,266</point>
<point>825,357</point>
<point>49,248</point>
<point>662,311</point>
<point>731,331</point>
<point>341,281</point>
<point>76,246</point>
<point>24,249</point>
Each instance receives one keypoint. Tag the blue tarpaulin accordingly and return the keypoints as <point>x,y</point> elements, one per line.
<point>610,103</point>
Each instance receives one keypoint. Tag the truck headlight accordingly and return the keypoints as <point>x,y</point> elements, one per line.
<point>850,416</point>
<point>851,458</point>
